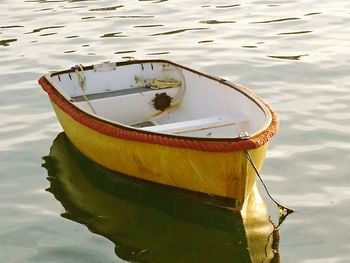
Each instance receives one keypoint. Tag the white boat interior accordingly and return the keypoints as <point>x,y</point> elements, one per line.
<point>163,97</point>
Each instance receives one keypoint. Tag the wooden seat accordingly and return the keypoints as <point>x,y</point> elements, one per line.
<point>194,125</point>
<point>115,93</point>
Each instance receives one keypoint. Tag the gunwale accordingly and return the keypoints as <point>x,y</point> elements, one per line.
<point>119,130</point>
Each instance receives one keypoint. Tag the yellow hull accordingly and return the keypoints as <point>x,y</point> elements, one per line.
<point>222,174</point>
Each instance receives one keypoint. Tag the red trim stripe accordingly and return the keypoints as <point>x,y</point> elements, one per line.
<point>146,137</point>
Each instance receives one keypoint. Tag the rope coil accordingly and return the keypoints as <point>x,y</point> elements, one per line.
<point>163,83</point>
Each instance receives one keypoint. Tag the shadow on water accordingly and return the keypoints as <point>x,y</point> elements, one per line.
<point>148,223</point>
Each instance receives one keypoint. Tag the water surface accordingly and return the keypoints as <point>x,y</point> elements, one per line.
<point>293,54</point>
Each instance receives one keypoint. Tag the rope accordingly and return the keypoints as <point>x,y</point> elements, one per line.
<point>165,83</point>
<point>117,131</point>
<point>162,83</point>
<point>283,211</point>
<point>82,82</point>
<point>178,97</point>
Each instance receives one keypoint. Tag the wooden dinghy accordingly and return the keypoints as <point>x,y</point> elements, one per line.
<point>165,123</point>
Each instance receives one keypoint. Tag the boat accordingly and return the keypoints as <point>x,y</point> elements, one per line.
<point>165,123</point>
<point>147,223</point>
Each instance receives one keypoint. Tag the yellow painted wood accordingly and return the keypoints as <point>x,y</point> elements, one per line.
<point>223,174</point>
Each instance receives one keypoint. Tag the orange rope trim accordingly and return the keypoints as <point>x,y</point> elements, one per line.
<point>141,136</point>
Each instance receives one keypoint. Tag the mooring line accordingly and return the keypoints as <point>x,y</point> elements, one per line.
<point>283,210</point>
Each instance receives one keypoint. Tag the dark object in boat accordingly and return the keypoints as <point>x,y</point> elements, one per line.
<point>161,101</point>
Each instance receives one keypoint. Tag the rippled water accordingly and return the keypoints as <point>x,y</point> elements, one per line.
<point>294,54</point>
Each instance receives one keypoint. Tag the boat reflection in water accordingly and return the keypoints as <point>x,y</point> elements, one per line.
<point>149,223</point>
